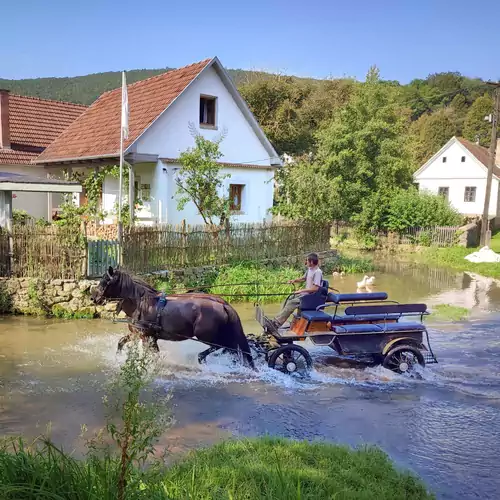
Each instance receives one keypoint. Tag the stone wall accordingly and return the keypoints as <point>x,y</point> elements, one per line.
<point>71,298</point>
<point>60,298</point>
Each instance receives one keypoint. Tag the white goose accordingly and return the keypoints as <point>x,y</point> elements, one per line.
<point>362,283</point>
<point>370,281</point>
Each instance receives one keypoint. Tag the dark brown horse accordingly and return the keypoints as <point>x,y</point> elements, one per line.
<point>207,318</point>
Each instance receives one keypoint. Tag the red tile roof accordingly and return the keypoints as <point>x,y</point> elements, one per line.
<point>34,124</point>
<point>481,153</point>
<point>96,132</point>
<point>14,157</point>
<point>37,122</point>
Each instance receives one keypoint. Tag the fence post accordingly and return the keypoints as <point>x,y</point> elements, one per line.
<point>184,243</point>
<point>85,250</point>
<point>120,243</point>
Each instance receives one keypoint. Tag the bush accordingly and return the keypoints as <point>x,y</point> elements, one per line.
<point>404,209</point>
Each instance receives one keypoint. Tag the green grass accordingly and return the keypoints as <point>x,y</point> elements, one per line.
<point>450,312</point>
<point>265,468</point>
<point>495,242</point>
<point>454,259</point>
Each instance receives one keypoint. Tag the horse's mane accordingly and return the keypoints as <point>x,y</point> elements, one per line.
<point>128,279</point>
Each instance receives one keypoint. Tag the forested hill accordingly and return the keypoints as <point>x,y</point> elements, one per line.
<point>294,111</point>
<point>86,89</point>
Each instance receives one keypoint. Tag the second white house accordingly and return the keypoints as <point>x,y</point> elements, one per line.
<point>458,171</point>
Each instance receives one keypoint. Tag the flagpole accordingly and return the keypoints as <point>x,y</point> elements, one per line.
<point>123,124</point>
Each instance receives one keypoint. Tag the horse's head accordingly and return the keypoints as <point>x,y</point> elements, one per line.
<point>107,288</point>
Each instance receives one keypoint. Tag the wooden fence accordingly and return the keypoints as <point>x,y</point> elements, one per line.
<point>149,249</point>
<point>50,252</point>
<point>440,236</point>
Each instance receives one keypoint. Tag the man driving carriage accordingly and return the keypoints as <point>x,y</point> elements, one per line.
<point>313,278</point>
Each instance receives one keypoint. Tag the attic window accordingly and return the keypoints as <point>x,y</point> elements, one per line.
<point>444,159</point>
<point>207,111</point>
<point>462,159</point>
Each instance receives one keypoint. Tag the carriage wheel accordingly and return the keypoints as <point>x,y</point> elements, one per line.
<point>291,359</point>
<point>403,359</point>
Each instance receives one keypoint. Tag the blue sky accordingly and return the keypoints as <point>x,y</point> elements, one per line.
<point>406,38</point>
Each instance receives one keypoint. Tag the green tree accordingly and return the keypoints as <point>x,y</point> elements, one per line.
<point>304,192</point>
<point>364,148</point>
<point>200,181</point>
<point>275,103</point>
<point>475,126</point>
<point>430,133</point>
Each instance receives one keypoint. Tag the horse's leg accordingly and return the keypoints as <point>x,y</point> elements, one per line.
<point>150,342</point>
<point>202,356</point>
<point>123,341</point>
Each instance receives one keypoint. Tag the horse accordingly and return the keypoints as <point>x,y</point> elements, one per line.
<point>208,318</point>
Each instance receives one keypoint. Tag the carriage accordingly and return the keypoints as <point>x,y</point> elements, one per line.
<point>359,325</point>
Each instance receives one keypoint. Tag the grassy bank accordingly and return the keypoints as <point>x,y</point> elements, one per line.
<point>247,469</point>
<point>453,258</point>
<point>450,312</point>
<point>264,283</point>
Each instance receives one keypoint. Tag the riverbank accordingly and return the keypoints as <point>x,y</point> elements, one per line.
<point>454,258</point>
<point>236,469</point>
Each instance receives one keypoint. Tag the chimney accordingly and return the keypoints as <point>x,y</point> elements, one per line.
<point>4,120</point>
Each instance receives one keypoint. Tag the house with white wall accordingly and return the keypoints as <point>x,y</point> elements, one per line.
<point>458,171</point>
<point>164,111</point>
<point>27,126</point>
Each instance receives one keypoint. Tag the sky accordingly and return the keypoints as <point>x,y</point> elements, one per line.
<point>406,39</point>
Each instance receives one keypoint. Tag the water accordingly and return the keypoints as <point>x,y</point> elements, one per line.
<point>444,427</point>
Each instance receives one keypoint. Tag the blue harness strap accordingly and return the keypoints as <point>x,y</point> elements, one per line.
<point>162,302</point>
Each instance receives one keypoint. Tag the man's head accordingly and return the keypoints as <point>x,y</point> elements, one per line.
<point>312,260</point>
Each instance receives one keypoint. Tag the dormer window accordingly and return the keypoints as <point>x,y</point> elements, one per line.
<point>444,159</point>
<point>207,111</point>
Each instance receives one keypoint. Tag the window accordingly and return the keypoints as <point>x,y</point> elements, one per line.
<point>207,111</point>
<point>470,194</point>
<point>462,159</point>
<point>444,159</point>
<point>235,194</point>
<point>444,192</point>
<point>141,191</point>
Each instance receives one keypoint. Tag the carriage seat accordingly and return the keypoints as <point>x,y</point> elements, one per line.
<point>312,301</point>
<point>373,318</point>
<point>316,316</point>
<point>380,328</point>
<point>338,298</point>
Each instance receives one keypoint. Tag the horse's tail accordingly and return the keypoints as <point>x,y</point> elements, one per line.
<point>236,336</point>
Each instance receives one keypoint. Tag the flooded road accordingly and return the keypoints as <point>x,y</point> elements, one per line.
<point>444,427</point>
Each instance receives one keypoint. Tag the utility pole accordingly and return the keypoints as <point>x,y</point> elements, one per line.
<point>491,163</point>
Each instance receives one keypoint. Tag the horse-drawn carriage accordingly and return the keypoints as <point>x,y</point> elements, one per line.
<point>361,325</point>
<point>354,324</point>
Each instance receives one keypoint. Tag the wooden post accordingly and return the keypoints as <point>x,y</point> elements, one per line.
<point>184,242</point>
<point>131,193</point>
<point>85,250</point>
<point>491,165</point>
<point>120,243</point>
<point>9,227</point>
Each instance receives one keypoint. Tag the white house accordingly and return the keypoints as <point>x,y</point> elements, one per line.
<point>164,110</point>
<point>27,126</point>
<point>458,171</point>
